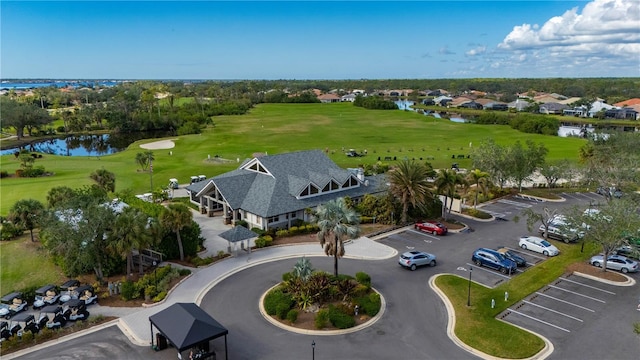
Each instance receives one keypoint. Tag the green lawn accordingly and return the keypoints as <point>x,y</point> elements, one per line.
<point>24,264</point>
<point>277,128</point>
<point>477,325</point>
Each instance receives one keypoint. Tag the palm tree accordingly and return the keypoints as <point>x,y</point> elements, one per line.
<point>105,179</point>
<point>175,217</point>
<point>446,184</point>
<point>479,179</point>
<point>130,231</point>
<point>26,213</point>
<point>409,184</point>
<point>337,222</point>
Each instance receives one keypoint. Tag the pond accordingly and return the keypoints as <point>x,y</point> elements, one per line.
<point>87,145</point>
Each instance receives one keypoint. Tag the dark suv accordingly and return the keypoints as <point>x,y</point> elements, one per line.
<point>493,259</point>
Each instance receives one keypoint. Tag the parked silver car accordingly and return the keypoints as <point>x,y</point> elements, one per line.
<point>413,259</point>
<point>615,262</point>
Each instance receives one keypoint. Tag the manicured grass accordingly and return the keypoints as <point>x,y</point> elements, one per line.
<point>25,264</point>
<point>477,325</point>
<point>278,128</point>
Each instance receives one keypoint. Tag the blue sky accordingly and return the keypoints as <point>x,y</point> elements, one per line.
<point>319,40</point>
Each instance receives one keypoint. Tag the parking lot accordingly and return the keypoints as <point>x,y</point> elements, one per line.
<point>573,312</point>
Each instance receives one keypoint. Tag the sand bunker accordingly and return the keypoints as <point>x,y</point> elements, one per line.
<point>159,145</point>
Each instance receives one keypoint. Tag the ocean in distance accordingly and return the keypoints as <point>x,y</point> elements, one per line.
<point>34,84</point>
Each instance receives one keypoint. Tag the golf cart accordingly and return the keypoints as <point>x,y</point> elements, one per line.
<point>52,317</point>
<point>86,294</point>
<point>67,289</point>
<point>22,323</point>
<point>77,310</point>
<point>173,183</point>
<point>14,304</point>
<point>5,334</point>
<point>46,295</point>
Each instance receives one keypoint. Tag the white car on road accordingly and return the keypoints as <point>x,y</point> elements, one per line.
<point>537,244</point>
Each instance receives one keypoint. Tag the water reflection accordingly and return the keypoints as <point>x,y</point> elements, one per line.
<point>86,145</point>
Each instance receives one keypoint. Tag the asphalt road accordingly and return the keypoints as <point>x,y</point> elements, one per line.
<point>414,324</point>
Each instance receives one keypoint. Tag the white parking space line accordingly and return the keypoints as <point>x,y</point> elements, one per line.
<point>529,253</point>
<point>516,203</point>
<point>490,271</point>
<point>589,286</point>
<point>570,195</point>
<point>538,320</point>
<point>564,301</point>
<point>576,293</point>
<point>423,233</point>
<point>553,311</point>
<point>494,213</point>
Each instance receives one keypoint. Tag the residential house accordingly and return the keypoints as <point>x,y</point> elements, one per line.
<point>348,97</point>
<point>443,100</point>
<point>577,111</point>
<point>597,106</point>
<point>433,93</point>
<point>496,105</point>
<point>628,103</point>
<point>471,105</point>
<point>519,104</point>
<point>552,108</point>
<point>274,191</point>
<point>625,113</point>
<point>329,98</point>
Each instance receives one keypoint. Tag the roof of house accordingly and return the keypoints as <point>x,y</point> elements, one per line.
<point>628,102</point>
<point>269,185</point>
<point>329,97</point>
<point>554,106</point>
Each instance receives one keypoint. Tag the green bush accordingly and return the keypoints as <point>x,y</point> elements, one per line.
<point>363,278</point>
<point>261,242</point>
<point>281,233</point>
<point>360,290</point>
<point>127,290</point>
<point>10,231</point>
<point>282,309</point>
<point>274,298</point>
<point>366,219</point>
<point>184,272</point>
<point>161,295</point>
<point>33,172</point>
<point>292,315</point>
<point>4,174</point>
<point>322,317</point>
<point>258,231</point>
<point>241,223</point>
<point>311,228</point>
<point>268,240</point>
<point>293,230</point>
<point>370,304</point>
<point>340,319</point>
<point>477,213</point>
<point>287,276</point>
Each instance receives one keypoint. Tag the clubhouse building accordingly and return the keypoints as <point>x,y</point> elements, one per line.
<point>273,191</point>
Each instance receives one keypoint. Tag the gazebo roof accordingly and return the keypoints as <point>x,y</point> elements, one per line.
<point>238,233</point>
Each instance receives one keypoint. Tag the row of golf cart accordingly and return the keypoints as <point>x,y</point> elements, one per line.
<point>50,317</point>
<point>47,295</point>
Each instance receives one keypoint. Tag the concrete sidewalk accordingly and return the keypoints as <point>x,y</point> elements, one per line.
<point>135,324</point>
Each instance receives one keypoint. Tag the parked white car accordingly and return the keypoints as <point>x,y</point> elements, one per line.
<point>537,244</point>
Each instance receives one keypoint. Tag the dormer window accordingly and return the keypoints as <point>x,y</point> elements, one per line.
<point>258,168</point>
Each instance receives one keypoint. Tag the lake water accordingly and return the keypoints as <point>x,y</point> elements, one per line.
<point>87,145</point>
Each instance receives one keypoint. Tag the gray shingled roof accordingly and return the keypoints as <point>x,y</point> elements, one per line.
<point>267,196</point>
<point>238,233</point>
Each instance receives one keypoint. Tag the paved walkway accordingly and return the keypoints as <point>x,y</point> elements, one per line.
<point>135,322</point>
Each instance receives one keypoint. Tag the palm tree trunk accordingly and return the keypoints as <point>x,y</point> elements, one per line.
<point>31,232</point>
<point>182,250</point>
<point>129,264</point>
<point>335,257</point>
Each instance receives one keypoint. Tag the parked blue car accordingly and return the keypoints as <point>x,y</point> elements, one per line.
<point>493,259</point>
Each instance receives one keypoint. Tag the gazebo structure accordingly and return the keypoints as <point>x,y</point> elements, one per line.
<point>238,234</point>
<point>186,326</point>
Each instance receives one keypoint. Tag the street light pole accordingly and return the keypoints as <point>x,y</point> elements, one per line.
<point>155,279</point>
<point>469,293</point>
<point>313,350</point>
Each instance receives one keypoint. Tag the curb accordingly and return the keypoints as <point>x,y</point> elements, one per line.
<point>451,324</point>
<point>630,281</point>
<point>373,320</point>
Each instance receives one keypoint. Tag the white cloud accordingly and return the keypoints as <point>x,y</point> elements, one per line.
<point>477,51</point>
<point>445,51</point>
<point>604,36</point>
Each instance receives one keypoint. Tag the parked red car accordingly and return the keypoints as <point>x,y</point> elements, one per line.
<point>433,227</point>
